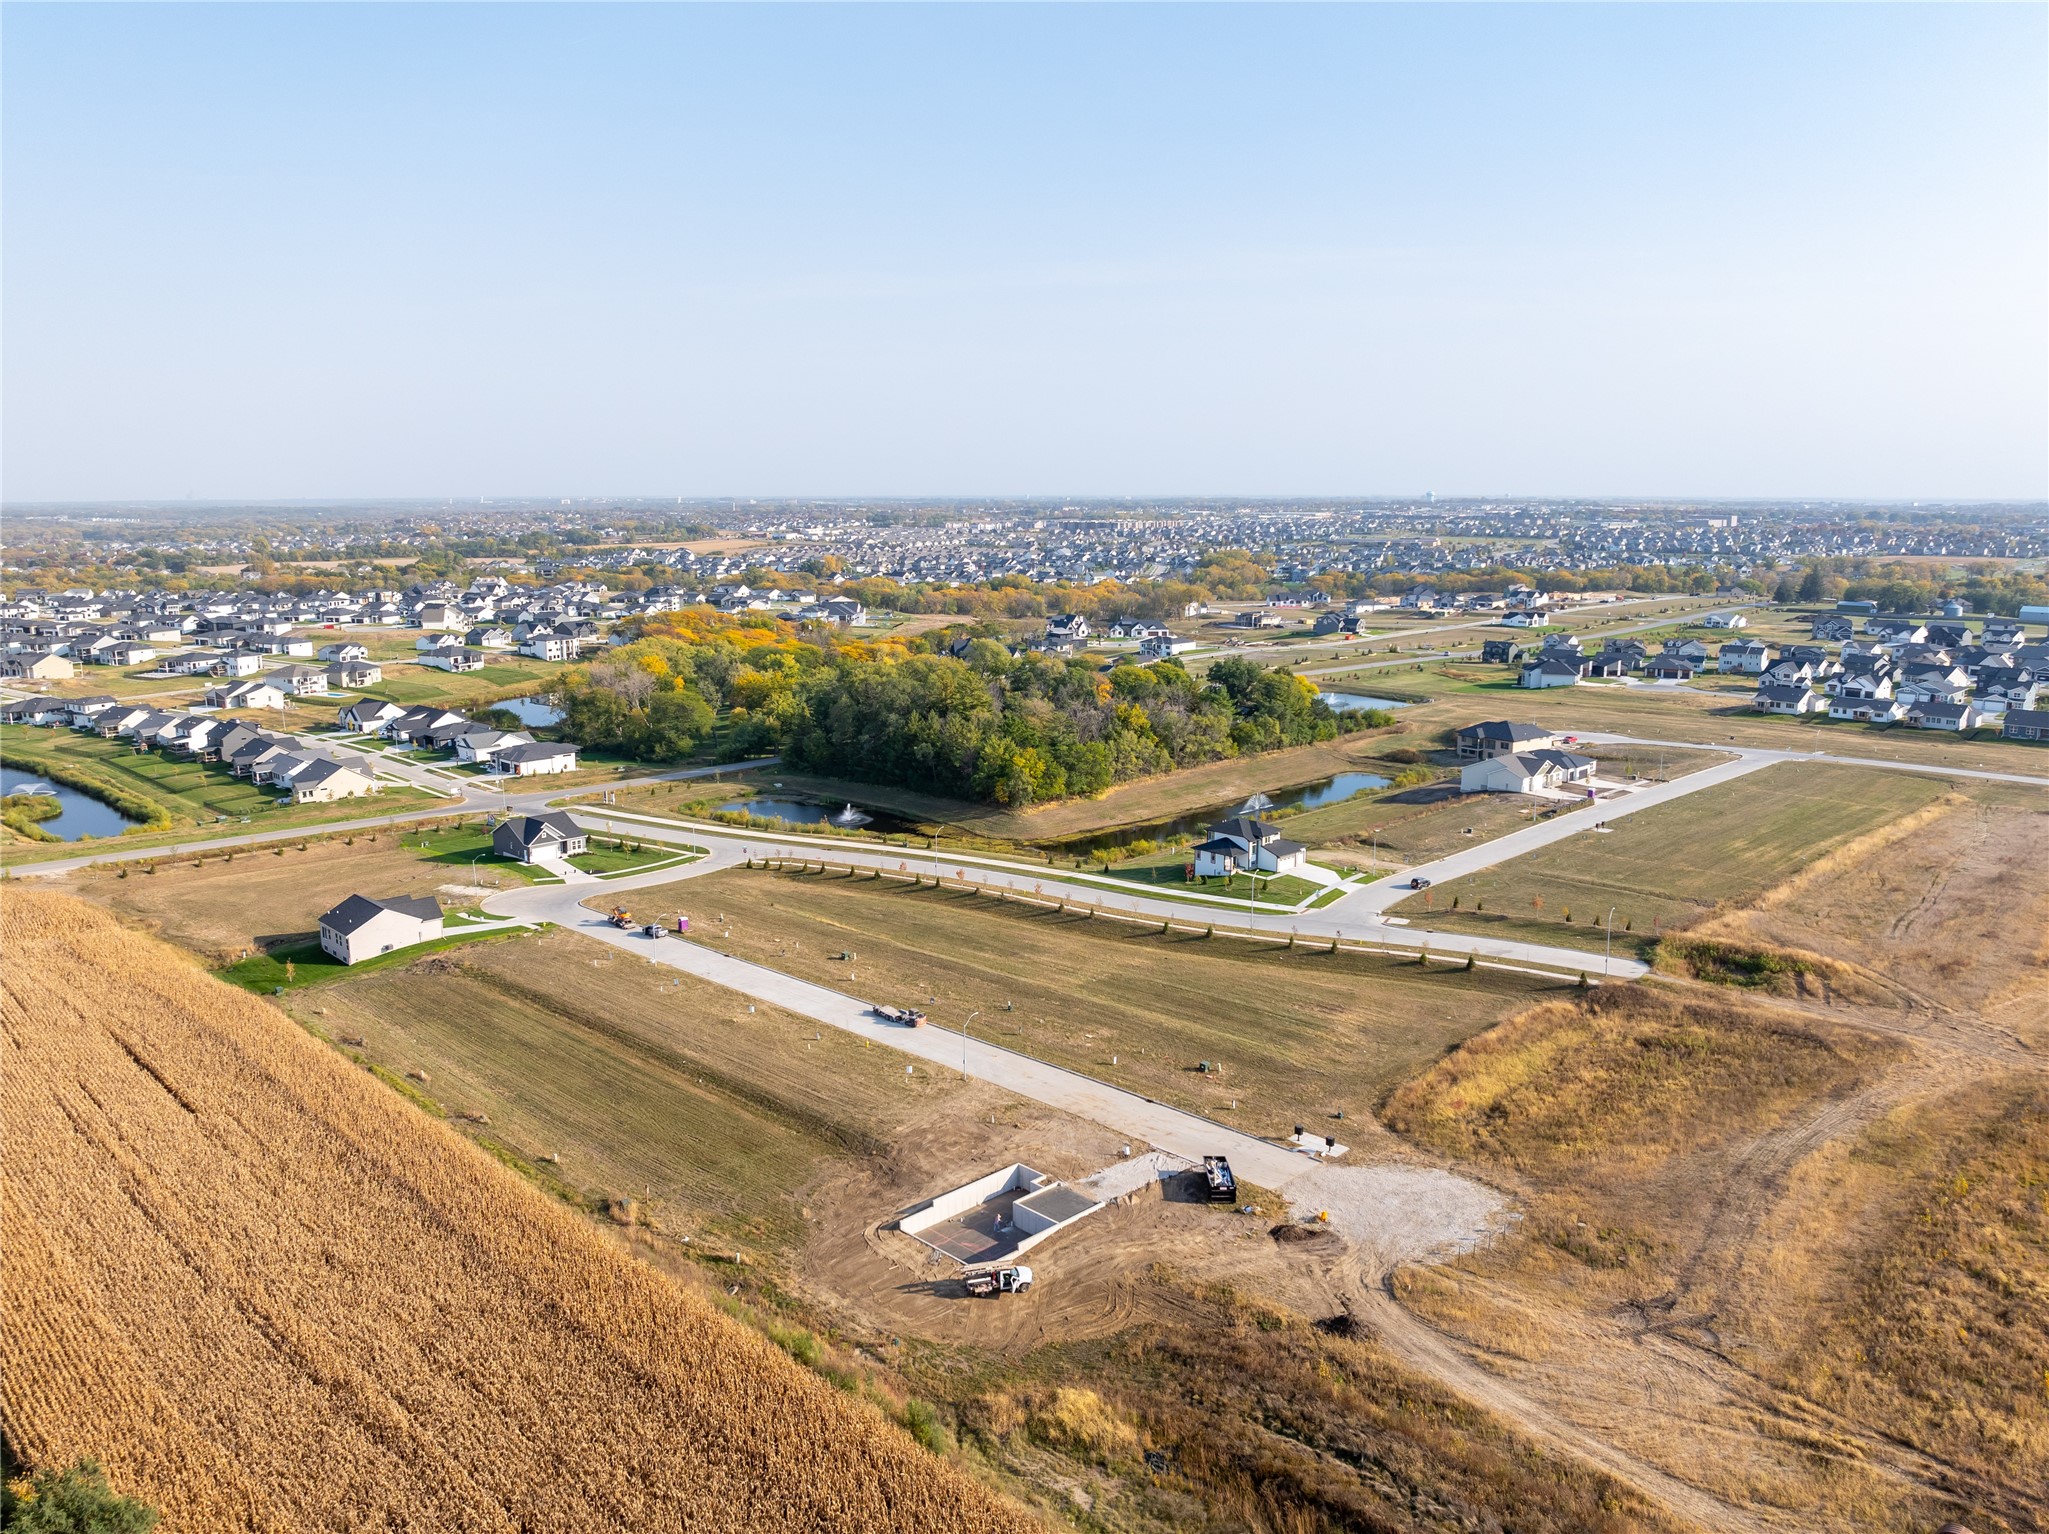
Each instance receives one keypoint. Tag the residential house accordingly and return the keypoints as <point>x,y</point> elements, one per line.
<point>255,694</point>
<point>415,724</point>
<point>1502,652</point>
<point>1550,672</point>
<point>1669,668</point>
<point>1831,628</point>
<point>490,638</point>
<point>1522,618</point>
<point>1072,627</point>
<point>1725,621</point>
<point>480,743</point>
<point>345,650</point>
<point>2002,689</point>
<point>2025,724</point>
<point>1867,710</point>
<point>1744,657</point>
<point>326,779</point>
<point>1939,714</point>
<point>454,660</point>
<point>36,668</point>
<point>1860,686</point>
<point>353,676</point>
<point>1896,631</point>
<point>1525,772</point>
<point>2001,631</point>
<point>546,838</point>
<point>535,759</point>
<point>546,644</point>
<point>1163,646</point>
<point>1244,844</point>
<point>1693,651</point>
<point>1498,737</point>
<point>361,928</point>
<point>1788,698</point>
<point>299,681</point>
<point>367,714</point>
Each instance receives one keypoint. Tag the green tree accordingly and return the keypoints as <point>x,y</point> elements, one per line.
<point>75,1500</point>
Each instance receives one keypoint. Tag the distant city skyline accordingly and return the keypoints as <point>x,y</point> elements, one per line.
<point>1694,253</point>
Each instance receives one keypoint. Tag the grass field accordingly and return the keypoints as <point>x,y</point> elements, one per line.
<point>1293,1034</point>
<point>195,794</point>
<point>1937,1327</point>
<point>1943,911</point>
<point>714,1117</point>
<point>1675,863</point>
<point>266,1292</point>
<point>272,897</point>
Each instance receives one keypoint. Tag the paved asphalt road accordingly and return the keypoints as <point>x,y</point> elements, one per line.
<point>1333,921</point>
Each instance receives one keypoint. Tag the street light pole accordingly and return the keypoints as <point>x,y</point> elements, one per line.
<point>1608,960</point>
<point>964,1043</point>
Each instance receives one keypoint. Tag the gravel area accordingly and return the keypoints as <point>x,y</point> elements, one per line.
<point>1401,1213</point>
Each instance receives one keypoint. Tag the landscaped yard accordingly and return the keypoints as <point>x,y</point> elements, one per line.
<point>612,858</point>
<point>1167,873</point>
<point>1676,862</point>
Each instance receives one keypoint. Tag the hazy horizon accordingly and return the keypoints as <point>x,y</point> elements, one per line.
<point>1658,253</point>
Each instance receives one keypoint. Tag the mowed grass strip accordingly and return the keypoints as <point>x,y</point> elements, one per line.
<point>671,1093</point>
<point>1675,863</point>
<point>1292,1034</point>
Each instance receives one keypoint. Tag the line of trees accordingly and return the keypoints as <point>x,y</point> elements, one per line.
<point>983,725</point>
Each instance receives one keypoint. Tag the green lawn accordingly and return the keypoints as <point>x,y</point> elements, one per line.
<point>461,847</point>
<point>1676,862</point>
<point>614,860</point>
<point>1166,872</point>
<point>202,794</point>
<point>288,969</point>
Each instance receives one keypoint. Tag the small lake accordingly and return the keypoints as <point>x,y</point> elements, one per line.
<point>82,815</point>
<point>800,812</point>
<point>531,711</point>
<point>1306,797</point>
<point>1357,702</point>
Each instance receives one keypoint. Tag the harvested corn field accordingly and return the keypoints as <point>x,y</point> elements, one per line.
<point>269,1294</point>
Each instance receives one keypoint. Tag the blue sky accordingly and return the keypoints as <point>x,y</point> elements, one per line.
<point>310,250</point>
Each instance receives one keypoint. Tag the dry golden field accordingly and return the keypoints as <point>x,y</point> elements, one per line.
<point>268,1294</point>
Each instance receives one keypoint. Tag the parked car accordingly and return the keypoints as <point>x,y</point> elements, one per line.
<point>1419,883</point>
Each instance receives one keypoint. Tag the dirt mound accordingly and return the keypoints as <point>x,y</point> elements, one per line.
<point>1343,1325</point>
<point>1289,1234</point>
<point>436,966</point>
